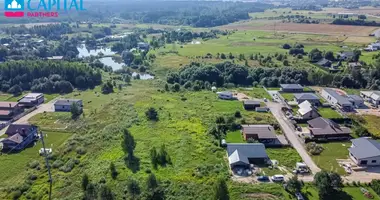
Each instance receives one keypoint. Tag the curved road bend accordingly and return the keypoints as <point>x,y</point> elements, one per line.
<point>289,131</point>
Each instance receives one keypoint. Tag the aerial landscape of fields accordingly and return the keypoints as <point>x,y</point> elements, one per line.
<point>192,100</point>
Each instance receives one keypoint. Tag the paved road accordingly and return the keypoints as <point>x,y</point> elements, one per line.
<point>289,131</point>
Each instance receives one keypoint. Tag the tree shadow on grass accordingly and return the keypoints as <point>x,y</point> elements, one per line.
<point>133,163</point>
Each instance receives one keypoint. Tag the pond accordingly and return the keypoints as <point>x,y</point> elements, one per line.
<point>110,62</point>
<point>143,76</point>
<point>84,52</point>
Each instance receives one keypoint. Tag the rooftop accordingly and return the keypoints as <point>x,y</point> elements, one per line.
<point>242,152</point>
<point>66,102</point>
<point>305,107</point>
<point>342,100</point>
<point>306,96</point>
<point>262,131</point>
<point>33,95</point>
<point>251,102</point>
<point>322,126</point>
<point>5,104</point>
<point>323,61</point>
<point>365,148</point>
<point>375,95</point>
<point>354,97</point>
<point>291,86</point>
<point>18,129</point>
<point>227,93</point>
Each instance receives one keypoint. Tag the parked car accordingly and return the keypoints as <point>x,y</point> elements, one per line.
<point>278,178</point>
<point>263,178</point>
<point>299,196</point>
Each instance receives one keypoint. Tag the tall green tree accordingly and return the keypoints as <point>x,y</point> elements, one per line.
<point>85,181</point>
<point>105,193</point>
<point>133,188</point>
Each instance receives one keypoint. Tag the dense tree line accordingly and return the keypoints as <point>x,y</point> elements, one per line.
<point>200,76</point>
<point>49,31</point>
<point>197,14</point>
<point>356,22</point>
<point>47,76</point>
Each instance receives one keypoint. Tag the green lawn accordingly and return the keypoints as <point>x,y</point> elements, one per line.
<point>288,96</point>
<point>332,151</point>
<point>348,193</point>
<point>255,92</point>
<point>16,163</point>
<point>286,156</point>
<point>234,137</point>
<point>329,113</point>
<point>371,122</point>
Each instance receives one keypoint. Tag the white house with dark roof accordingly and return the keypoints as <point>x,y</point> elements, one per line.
<point>225,95</point>
<point>64,105</point>
<point>372,97</point>
<point>307,111</point>
<point>334,98</point>
<point>242,155</point>
<point>365,151</point>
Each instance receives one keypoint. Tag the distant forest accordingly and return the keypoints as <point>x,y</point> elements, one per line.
<point>191,13</point>
<point>357,22</point>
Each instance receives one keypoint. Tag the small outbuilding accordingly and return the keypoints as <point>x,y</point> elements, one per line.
<point>291,88</point>
<point>251,104</point>
<point>64,105</point>
<point>225,95</point>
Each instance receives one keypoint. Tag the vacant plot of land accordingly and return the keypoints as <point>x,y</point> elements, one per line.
<point>287,157</point>
<point>329,113</point>
<point>288,96</point>
<point>371,122</point>
<point>327,29</point>
<point>332,151</point>
<point>234,137</point>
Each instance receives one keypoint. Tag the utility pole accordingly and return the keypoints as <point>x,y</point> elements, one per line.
<point>47,164</point>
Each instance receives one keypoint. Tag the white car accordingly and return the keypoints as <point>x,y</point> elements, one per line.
<point>278,178</point>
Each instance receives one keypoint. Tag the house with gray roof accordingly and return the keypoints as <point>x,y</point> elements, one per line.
<point>324,63</point>
<point>291,88</point>
<point>345,55</point>
<point>326,129</point>
<point>365,151</point>
<point>225,95</point>
<point>242,155</point>
<point>262,133</point>
<point>310,97</point>
<point>356,100</point>
<point>251,104</point>
<point>334,98</point>
<point>372,97</point>
<point>64,105</point>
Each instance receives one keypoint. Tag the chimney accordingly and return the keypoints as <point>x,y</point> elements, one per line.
<point>23,130</point>
<point>10,105</point>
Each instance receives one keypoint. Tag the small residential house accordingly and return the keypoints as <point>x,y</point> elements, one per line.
<point>325,129</point>
<point>263,133</point>
<point>8,110</point>
<point>356,100</point>
<point>225,95</point>
<point>372,97</point>
<point>345,55</point>
<point>32,99</point>
<point>365,151</point>
<point>324,63</point>
<point>310,97</point>
<point>55,58</point>
<point>64,105</point>
<point>307,111</point>
<point>242,155</point>
<point>251,104</point>
<point>334,98</point>
<point>19,137</point>
<point>291,88</point>
<point>143,46</point>
<point>262,109</point>
<point>375,46</point>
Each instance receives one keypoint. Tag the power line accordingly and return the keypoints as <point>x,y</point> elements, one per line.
<point>47,164</point>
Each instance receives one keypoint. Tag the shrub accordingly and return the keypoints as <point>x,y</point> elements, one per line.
<point>32,177</point>
<point>152,114</point>
<point>16,194</point>
<point>81,150</point>
<point>57,164</point>
<point>251,140</point>
<point>313,148</point>
<point>237,114</point>
<point>68,166</point>
<point>286,46</point>
<point>33,164</point>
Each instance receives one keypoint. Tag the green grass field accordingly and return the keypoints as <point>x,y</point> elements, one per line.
<point>348,193</point>
<point>370,122</point>
<point>329,113</point>
<point>332,151</point>
<point>234,137</point>
<point>288,96</point>
<point>14,166</point>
